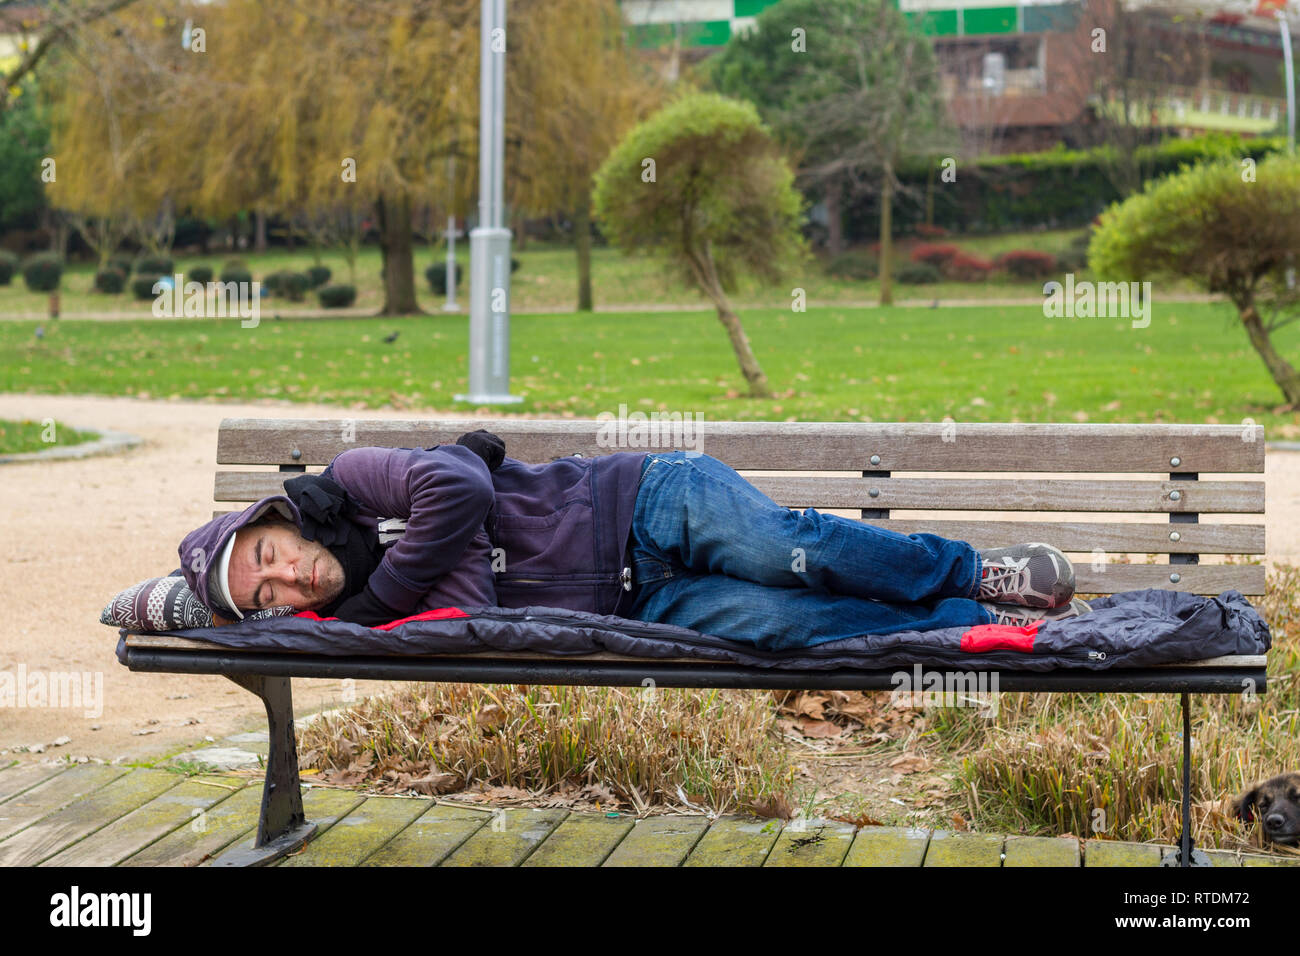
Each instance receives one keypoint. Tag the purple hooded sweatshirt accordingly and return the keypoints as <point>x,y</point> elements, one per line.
<point>561,528</point>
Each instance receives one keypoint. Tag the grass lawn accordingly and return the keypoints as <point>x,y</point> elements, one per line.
<point>979,363</point>
<point>546,281</point>
<point>27,436</point>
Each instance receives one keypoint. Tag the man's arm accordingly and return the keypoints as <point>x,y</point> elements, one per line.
<point>444,493</point>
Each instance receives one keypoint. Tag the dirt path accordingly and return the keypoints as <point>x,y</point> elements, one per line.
<point>76,532</point>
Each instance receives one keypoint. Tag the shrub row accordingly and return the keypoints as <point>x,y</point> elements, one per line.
<point>930,262</point>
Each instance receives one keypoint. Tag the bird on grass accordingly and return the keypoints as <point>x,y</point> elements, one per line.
<point>390,339</point>
<point>40,331</point>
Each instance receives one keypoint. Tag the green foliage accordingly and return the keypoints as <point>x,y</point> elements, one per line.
<point>1055,188</point>
<point>154,266</point>
<point>200,274</point>
<point>318,276</point>
<point>24,143</point>
<point>8,266</point>
<point>916,273</point>
<point>855,264</point>
<point>1208,223</point>
<point>42,272</point>
<point>122,262</point>
<point>437,276</point>
<point>866,91</point>
<point>110,281</point>
<point>142,286</point>
<point>337,296</point>
<point>720,191</point>
<point>292,285</point>
<point>235,273</point>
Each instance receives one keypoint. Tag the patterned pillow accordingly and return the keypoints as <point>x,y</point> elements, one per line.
<point>167,604</point>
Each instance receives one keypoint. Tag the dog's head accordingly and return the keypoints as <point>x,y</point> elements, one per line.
<point>1276,804</point>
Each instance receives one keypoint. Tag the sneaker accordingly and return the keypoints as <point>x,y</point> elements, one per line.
<point>1032,575</point>
<point>1018,616</point>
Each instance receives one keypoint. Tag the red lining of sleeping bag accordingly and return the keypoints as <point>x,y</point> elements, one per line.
<point>437,614</point>
<point>1000,637</point>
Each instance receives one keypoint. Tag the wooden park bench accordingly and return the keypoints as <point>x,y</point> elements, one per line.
<point>1152,475</point>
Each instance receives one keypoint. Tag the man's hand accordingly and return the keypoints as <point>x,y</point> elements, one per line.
<point>367,610</point>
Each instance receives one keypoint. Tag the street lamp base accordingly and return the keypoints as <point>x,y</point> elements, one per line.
<point>489,399</point>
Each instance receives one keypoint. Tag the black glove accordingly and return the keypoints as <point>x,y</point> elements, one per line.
<point>486,445</point>
<point>366,609</point>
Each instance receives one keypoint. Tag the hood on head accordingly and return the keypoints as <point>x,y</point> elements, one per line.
<point>205,552</point>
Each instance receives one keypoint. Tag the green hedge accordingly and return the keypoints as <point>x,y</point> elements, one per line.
<point>1060,188</point>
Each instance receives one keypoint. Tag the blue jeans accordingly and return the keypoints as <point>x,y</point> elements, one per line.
<point>713,553</point>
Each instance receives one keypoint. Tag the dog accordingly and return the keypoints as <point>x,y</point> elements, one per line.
<point>1276,804</point>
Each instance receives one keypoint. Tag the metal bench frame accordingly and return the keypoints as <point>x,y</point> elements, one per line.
<point>291,445</point>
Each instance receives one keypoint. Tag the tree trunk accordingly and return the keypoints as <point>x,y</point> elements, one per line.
<point>259,231</point>
<point>398,256</point>
<point>520,231</point>
<point>929,197</point>
<point>887,237</point>
<point>1284,374</point>
<point>834,215</point>
<point>749,367</point>
<point>582,243</point>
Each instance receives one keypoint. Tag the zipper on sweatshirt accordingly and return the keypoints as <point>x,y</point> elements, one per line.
<point>622,578</point>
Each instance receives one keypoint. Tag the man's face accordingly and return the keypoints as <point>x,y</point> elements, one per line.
<point>273,565</point>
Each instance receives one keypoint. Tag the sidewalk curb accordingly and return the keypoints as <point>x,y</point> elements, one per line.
<point>108,443</point>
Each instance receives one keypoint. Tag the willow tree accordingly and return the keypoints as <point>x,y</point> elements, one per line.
<point>294,107</point>
<point>107,142</point>
<point>703,184</point>
<point>574,90</point>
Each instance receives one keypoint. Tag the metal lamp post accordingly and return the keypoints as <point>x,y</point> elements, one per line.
<point>489,241</point>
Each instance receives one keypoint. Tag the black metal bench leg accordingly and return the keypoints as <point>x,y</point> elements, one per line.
<point>1185,854</point>
<point>281,827</point>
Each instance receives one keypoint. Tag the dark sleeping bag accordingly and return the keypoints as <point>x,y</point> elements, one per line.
<point>1131,629</point>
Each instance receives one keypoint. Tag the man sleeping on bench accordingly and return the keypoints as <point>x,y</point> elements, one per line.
<point>675,537</point>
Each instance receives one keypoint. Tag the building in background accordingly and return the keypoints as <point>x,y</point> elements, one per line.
<point>1026,75</point>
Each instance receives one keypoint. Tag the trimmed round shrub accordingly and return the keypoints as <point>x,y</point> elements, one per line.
<point>8,266</point>
<point>110,280</point>
<point>514,264</point>
<point>437,276</point>
<point>917,273</point>
<point>934,253</point>
<point>235,271</point>
<point>292,285</point>
<point>42,272</point>
<point>200,274</point>
<point>853,265</point>
<point>142,286</point>
<point>121,262</point>
<point>966,267</point>
<point>318,276</point>
<point>336,296</point>
<point>154,266</point>
<point>1027,263</point>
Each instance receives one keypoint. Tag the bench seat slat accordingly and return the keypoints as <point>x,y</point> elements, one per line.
<point>792,446</point>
